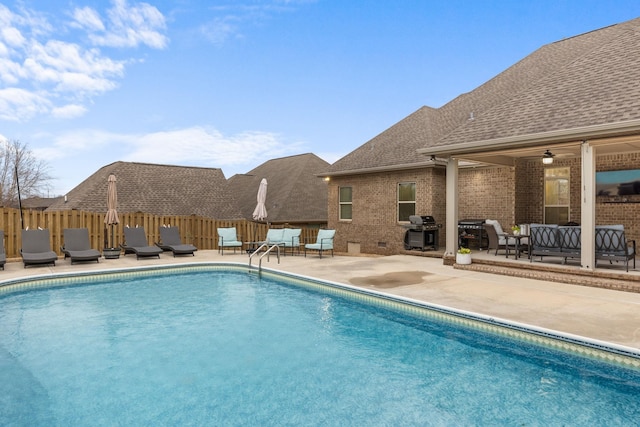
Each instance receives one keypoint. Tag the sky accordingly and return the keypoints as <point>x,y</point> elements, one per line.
<point>232,84</point>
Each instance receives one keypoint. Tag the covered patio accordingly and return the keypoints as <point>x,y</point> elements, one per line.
<point>586,150</point>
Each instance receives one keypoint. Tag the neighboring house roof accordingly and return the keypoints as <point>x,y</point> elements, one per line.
<point>583,80</point>
<point>294,193</point>
<point>37,203</point>
<point>156,189</point>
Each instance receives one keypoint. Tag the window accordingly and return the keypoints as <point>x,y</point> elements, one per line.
<point>406,200</point>
<point>346,203</point>
<point>556,195</point>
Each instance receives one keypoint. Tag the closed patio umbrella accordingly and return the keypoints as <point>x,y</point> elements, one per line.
<point>260,212</point>
<point>111,218</point>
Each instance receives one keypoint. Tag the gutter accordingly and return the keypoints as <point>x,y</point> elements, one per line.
<point>527,140</point>
<point>388,168</point>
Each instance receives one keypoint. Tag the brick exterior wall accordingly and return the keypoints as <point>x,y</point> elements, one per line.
<point>374,225</point>
<point>512,195</point>
<point>487,193</point>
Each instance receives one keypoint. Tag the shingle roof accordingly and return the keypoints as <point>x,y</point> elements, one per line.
<point>156,189</point>
<point>396,145</point>
<point>598,82</point>
<point>295,193</point>
<point>592,78</point>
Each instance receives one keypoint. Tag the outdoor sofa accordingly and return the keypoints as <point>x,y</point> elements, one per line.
<point>288,238</point>
<point>565,242</point>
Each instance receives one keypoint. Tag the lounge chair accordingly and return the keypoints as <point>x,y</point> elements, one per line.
<point>170,241</point>
<point>3,253</point>
<point>77,246</point>
<point>227,238</point>
<point>36,248</point>
<point>324,242</point>
<point>135,241</point>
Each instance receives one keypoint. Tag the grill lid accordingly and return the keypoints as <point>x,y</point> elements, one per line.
<point>422,220</point>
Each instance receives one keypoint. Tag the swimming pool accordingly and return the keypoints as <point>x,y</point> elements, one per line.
<point>213,345</point>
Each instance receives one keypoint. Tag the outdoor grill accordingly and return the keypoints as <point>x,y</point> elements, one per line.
<point>471,231</point>
<point>422,233</point>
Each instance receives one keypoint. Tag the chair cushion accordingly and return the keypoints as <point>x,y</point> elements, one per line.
<point>291,237</point>
<point>228,237</point>
<point>611,240</point>
<point>325,238</point>
<point>496,225</point>
<point>275,235</point>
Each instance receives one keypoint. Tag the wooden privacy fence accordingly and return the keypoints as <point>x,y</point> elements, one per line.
<point>197,230</point>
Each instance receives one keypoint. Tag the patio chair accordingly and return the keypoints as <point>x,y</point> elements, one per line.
<point>36,248</point>
<point>228,238</point>
<point>170,241</point>
<point>77,246</point>
<point>498,239</point>
<point>135,241</point>
<point>324,242</point>
<point>3,253</point>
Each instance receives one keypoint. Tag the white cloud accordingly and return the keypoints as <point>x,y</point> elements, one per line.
<point>49,75</point>
<point>13,37</point>
<point>208,147</point>
<point>128,26</point>
<point>199,146</point>
<point>220,30</point>
<point>68,111</point>
<point>232,17</point>
<point>20,105</point>
<point>75,155</point>
<point>87,18</point>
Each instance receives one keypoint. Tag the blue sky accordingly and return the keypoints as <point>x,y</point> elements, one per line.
<point>231,84</point>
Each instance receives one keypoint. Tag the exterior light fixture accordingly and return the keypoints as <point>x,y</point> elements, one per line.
<point>547,157</point>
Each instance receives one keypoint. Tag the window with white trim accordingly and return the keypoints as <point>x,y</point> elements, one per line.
<point>346,203</point>
<point>556,195</point>
<point>406,200</point>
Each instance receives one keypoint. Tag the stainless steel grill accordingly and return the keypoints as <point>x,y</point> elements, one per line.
<point>422,233</point>
<point>471,233</point>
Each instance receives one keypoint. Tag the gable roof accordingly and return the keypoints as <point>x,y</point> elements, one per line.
<point>156,189</point>
<point>588,79</point>
<point>393,147</point>
<point>597,83</point>
<point>294,194</point>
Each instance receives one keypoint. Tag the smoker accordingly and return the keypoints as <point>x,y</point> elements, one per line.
<point>422,233</point>
<point>471,231</point>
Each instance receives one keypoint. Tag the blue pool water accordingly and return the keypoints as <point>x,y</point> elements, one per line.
<point>228,348</point>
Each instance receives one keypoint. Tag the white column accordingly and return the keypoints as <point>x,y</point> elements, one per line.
<point>588,206</point>
<point>452,207</point>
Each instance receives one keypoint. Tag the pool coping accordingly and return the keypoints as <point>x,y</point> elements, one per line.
<point>620,355</point>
